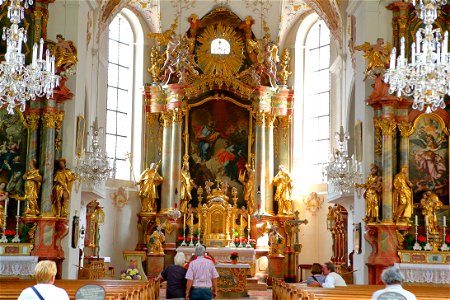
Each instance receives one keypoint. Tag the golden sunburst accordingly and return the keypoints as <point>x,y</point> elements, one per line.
<point>220,64</point>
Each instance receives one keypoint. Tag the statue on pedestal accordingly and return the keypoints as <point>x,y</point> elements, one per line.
<point>372,195</point>
<point>33,181</point>
<point>247,178</point>
<point>62,188</point>
<point>150,179</point>
<point>430,203</point>
<point>402,198</point>
<point>283,194</point>
<point>187,184</point>
<point>275,242</point>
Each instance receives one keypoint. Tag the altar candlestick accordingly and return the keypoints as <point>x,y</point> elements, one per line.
<point>199,227</point>
<point>444,221</point>
<point>241,228</point>
<point>18,208</point>
<point>184,222</point>
<point>248,220</point>
<point>416,220</point>
<point>426,222</point>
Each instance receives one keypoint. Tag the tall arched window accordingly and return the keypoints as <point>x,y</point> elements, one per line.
<point>312,111</point>
<point>122,94</point>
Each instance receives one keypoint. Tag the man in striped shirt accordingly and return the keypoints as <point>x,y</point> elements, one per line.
<point>201,277</point>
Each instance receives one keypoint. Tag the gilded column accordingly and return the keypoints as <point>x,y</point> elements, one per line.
<point>166,159</point>
<point>387,127</point>
<point>58,137</point>
<point>269,167</point>
<point>405,131</point>
<point>260,161</point>
<point>151,139</point>
<point>32,121</point>
<point>47,160</point>
<point>175,156</point>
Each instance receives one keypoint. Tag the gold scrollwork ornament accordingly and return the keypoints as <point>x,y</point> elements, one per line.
<point>32,121</point>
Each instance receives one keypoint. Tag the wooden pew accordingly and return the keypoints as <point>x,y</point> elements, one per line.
<point>115,289</point>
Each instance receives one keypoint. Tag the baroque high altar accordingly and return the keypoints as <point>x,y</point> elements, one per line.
<point>220,111</point>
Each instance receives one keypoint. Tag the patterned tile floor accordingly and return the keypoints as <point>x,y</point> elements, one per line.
<point>254,295</point>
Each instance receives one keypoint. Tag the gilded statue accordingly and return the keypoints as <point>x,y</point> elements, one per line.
<point>97,217</point>
<point>150,179</point>
<point>284,72</point>
<point>403,196</point>
<point>430,203</point>
<point>156,240</point>
<point>378,56</point>
<point>62,188</point>
<point>187,184</point>
<point>65,53</point>
<point>154,69</point>
<point>284,185</point>
<point>194,24</point>
<point>247,178</point>
<point>33,181</point>
<point>276,242</point>
<point>372,195</point>
<point>3,197</point>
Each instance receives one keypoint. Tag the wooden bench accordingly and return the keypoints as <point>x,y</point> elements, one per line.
<point>300,291</point>
<point>115,289</point>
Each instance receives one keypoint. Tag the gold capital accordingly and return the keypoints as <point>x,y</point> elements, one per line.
<point>387,126</point>
<point>405,128</point>
<point>269,119</point>
<point>178,115</point>
<point>32,121</point>
<point>285,123</point>
<point>259,118</point>
<point>49,119</point>
<point>378,143</point>
<point>167,118</point>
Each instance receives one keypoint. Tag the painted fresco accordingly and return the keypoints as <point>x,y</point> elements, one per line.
<point>218,142</point>
<point>429,158</point>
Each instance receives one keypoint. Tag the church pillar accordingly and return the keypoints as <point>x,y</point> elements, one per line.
<point>166,160</point>
<point>150,137</point>
<point>269,161</point>
<point>378,136</point>
<point>260,161</point>
<point>176,157</point>
<point>284,145</point>
<point>387,127</point>
<point>47,159</point>
<point>32,121</point>
<point>58,132</point>
<point>400,11</point>
<point>405,130</point>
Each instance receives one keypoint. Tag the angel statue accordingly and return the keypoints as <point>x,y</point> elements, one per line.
<point>65,53</point>
<point>378,57</point>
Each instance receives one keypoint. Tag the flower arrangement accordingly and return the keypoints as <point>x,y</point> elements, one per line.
<point>10,233</point>
<point>234,255</point>
<point>132,273</point>
<point>252,242</point>
<point>447,240</point>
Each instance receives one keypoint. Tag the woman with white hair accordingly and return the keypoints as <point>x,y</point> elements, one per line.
<point>175,277</point>
<point>393,279</point>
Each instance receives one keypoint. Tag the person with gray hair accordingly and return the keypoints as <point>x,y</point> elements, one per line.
<point>175,277</point>
<point>393,279</point>
<point>201,276</point>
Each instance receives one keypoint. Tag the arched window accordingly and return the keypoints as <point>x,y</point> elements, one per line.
<point>312,111</point>
<point>123,96</point>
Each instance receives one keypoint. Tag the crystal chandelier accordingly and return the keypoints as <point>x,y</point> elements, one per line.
<point>427,76</point>
<point>20,83</point>
<point>93,167</point>
<point>341,171</point>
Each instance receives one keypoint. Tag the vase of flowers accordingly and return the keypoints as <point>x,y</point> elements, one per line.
<point>234,257</point>
<point>132,273</point>
<point>10,233</point>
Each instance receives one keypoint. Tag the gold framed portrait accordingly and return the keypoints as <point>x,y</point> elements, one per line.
<point>79,143</point>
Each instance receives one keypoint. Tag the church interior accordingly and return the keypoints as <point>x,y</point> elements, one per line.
<point>276,133</point>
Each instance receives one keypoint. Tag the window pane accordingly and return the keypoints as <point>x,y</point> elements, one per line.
<point>324,61</point>
<point>323,104</point>
<point>122,169</point>
<point>110,122</point>
<point>111,145</point>
<point>123,127</point>
<point>123,147</point>
<point>114,29</point>
<point>112,99</point>
<point>125,58</point>
<point>124,101</point>
<point>113,52</point>
<point>125,78</point>
<point>324,127</point>
<point>113,76</point>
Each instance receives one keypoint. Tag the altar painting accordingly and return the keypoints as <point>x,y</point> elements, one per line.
<point>429,157</point>
<point>218,141</point>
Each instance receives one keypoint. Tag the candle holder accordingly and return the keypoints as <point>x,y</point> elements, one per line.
<point>240,243</point>
<point>16,238</point>
<point>444,246</point>
<point>4,239</point>
<point>417,246</point>
<point>428,246</point>
<point>248,245</point>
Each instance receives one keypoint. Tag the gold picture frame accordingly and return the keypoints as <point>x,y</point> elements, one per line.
<point>79,144</point>
<point>358,141</point>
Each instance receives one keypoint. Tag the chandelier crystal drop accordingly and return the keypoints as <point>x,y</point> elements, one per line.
<point>93,167</point>
<point>20,83</point>
<point>341,171</point>
<point>427,77</point>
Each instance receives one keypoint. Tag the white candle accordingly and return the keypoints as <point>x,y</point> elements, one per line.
<point>18,208</point>
<point>184,223</point>
<point>199,227</point>
<point>248,220</point>
<point>241,228</point>
<point>444,221</point>
<point>426,220</point>
<point>416,220</point>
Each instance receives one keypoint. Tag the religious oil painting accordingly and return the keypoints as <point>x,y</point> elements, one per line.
<point>13,151</point>
<point>218,141</point>
<point>429,157</point>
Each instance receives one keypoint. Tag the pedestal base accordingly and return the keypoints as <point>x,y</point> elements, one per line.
<point>155,264</point>
<point>136,258</point>
<point>275,268</point>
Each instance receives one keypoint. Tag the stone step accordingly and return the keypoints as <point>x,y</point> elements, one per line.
<point>254,285</point>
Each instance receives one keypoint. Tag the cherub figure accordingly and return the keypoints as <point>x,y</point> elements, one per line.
<point>378,57</point>
<point>65,53</point>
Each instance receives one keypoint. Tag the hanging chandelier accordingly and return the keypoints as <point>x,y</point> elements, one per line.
<point>20,83</point>
<point>93,167</point>
<point>341,171</point>
<point>427,77</point>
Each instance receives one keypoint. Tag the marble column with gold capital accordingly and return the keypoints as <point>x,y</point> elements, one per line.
<point>284,125</point>
<point>387,128</point>
<point>166,159</point>
<point>405,132</point>
<point>260,165</point>
<point>47,159</point>
<point>176,148</point>
<point>150,137</point>
<point>269,167</point>
<point>32,121</point>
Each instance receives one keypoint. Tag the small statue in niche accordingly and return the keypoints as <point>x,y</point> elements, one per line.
<point>148,192</point>
<point>62,189</point>
<point>402,198</point>
<point>377,56</point>
<point>33,181</point>
<point>430,203</point>
<point>187,184</point>
<point>284,185</point>
<point>156,240</point>
<point>247,178</point>
<point>372,195</point>
<point>276,241</point>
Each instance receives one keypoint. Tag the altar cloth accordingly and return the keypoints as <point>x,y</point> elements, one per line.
<point>425,273</point>
<point>17,265</point>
